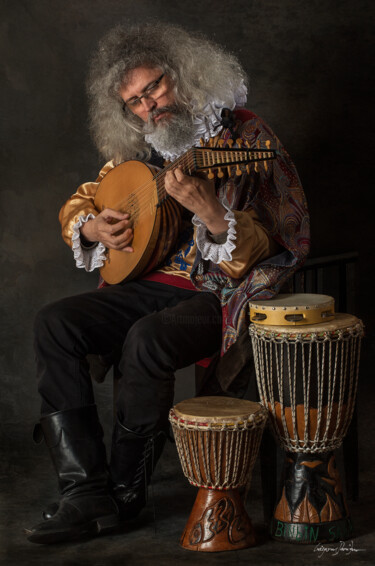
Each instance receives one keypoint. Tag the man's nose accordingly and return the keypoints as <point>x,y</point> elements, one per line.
<point>148,104</point>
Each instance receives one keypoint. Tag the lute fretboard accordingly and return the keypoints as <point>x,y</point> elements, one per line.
<point>214,159</point>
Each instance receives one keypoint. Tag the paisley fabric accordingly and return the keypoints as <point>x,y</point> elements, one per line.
<point>274,191</point>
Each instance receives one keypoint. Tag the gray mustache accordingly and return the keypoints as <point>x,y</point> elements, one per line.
<point>173,109</point>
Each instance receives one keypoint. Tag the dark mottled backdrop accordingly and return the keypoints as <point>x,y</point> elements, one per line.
<point>309,67</point>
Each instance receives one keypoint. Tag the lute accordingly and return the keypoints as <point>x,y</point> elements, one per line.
<point>138,188</point>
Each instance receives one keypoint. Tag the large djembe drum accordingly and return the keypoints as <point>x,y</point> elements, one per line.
<point>307,359</point>
<point>218,441</point>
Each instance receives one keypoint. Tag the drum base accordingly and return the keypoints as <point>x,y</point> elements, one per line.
<point>312,533</point>
<point>218,522</point>
<point>312,507</point>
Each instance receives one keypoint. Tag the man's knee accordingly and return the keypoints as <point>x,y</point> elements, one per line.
<point>45,317</point>
<point>146,334</point>
<point>149,346</point>
<point>53,320</point>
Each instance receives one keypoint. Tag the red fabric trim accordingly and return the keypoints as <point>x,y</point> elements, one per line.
<point>204,363</point>
<point>244,115</point>
<point>168,279</point>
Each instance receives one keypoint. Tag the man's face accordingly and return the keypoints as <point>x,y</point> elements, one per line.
<point>138,81</point>
<point>167,126</point>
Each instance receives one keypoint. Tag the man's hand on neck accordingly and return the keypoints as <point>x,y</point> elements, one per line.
<point>197,195</point>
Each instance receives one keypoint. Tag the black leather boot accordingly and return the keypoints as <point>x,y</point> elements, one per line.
<point>133,460</point>
<point>75,441</point>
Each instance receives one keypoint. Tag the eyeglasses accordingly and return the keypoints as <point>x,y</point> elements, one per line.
<point>153,91</point>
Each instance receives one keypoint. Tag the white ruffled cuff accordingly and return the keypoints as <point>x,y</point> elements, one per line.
<point>209,249</point>
<point>87,258</point>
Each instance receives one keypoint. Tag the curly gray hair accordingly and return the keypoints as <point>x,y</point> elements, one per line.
<point>199,69</point>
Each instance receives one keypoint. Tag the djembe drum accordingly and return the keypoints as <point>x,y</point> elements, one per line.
<point>306,360</point>
<point>218,441</point>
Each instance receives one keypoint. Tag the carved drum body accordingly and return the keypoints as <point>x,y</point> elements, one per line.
<point>218,441</point>
<point>307,378</point>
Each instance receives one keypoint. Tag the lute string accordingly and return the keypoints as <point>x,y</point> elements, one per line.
<point>143,190</point>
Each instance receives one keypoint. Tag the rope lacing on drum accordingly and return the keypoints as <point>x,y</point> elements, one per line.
<point>335,350</point>
<point>201,447</point>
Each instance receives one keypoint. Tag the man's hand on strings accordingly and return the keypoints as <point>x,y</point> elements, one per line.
<point>115,236</point>
<point>197,195</point>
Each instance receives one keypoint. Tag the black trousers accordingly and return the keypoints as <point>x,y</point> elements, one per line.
<point>155,328</point>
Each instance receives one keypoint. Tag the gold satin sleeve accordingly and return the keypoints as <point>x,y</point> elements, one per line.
<point>80,204</point>
<point>253,244</point>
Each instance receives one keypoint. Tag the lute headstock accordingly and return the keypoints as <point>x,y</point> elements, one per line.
<point>219,158</point>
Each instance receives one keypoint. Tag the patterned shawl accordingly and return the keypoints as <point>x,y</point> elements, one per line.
<point>276,195</point>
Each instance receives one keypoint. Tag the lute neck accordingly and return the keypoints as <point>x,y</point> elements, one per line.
<point>214,158</point>
<point>185,162</point>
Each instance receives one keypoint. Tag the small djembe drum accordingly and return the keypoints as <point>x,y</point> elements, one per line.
<point>306,360</point>
<point>218,441</point>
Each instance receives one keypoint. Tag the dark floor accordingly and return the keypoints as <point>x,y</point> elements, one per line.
<point>28,483</point>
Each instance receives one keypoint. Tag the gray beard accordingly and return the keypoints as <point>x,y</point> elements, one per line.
<point>174,135</point>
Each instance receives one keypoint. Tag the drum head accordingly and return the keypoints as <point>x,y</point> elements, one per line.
<point>293,309</point>
<point>225,410</point>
